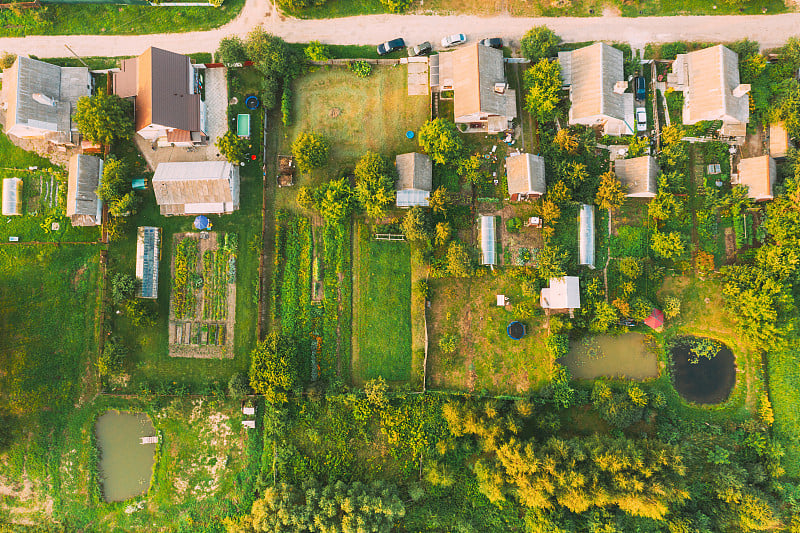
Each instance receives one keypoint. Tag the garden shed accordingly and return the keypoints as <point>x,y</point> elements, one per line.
<point>525,176</point>
<point>148,255</point>
<point>779,142</point>
<point>84,208</point>
<point>12,196</point>
<point>639,175</point>
<point>414,179</point>
<point>563,294</point>
<point>197,188</point>
<point>586,235</point>
<point>488,241</point>
<point>758,174</point>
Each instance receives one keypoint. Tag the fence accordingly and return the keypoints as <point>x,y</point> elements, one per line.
<point>370,61</point>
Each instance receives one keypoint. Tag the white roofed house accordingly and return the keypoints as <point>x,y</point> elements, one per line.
<point>563,295</point>
<point>639,175</point>
<point>482,98</point>
<point>709,79</point>
<point>41,99</point>
<point>525,176</point>
<point>414,179</point>
<point>758,174</point>
<point>595,76</point>
<point>84,208</point>
<point>203,187</point>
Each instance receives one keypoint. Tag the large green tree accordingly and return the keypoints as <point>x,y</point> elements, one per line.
<point>276,62</point>
<point>336,202</point>
<point>104,118</point>
<point>273,368</point>
<point>310,151</point>
<point>539,42</point>
<point>611,192</point>
<point>542,85</point>
<point>442,141</point>
<point>374,184</point>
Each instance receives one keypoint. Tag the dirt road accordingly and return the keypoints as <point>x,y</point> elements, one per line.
<point>769,30</point>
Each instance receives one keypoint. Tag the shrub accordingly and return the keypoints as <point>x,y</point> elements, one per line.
<point>448,343</point>
<point>238,385</point>
<point>122,287</point>
<point>310,150</point>
<point>672,306</point>
<point>396,6</point>
<point>362,69</point>
<point>316,51</point>
<point>513,225</point>
<point>286,105</point>
<point>705,348</point>
<point>110,361</point>
<point>233,147</point>
<point>557,345</point>
<point>141,313</point>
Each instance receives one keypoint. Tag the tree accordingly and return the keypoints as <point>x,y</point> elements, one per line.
<point>552,262</point>
<point>114,181</point>
<point>459,263</point>
<point>104,118</point>
<point>238,385</point>
<point>566,140</point>
<point>232,49</point>
<point>273,368</point>
<point>440,200</point>
<point>337,201</point>
<point>122,287</point>
<point>664,205</point>
<point>559,193</point>
<point>630,267</point>
<point>549,211</point>
<point>442,234</point>
<point>374,184</point>
<point>605,316</point>
<point>415,224</point>
<point>471,169</point>
<point>316,51</point>
<point>276,62</point>
<point>125,205</point>
<point>310,151</point>
<point>233,147</point>
<point>441,140</point>
<point>669,245</point>
<point>539,42</point>
<point>611,193</point>
<point>543,84</point>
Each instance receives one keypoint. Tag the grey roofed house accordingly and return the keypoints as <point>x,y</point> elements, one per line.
<point>563,293</point>
<point>710,82</point>
<point>639,175</point>
<point>148,255</point>
<point>194,188</point>
<point>41,99</point>
<point>84,208</point>
<point>482,99</point>
<point>596,80</point>
<point>525,176</point>
<point>758,174</point>
<point>586,235</point>
<point>163,85</point>
<point>414,179</point>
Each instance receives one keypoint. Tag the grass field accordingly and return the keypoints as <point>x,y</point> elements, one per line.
<point>382,309</point>
<point>356,114</point>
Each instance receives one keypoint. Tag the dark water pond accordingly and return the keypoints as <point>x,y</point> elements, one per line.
<point>707,381</point>
<point>126,465</point>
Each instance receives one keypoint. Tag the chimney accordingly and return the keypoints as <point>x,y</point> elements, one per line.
<point>620,87</point>
<point>741,90</point>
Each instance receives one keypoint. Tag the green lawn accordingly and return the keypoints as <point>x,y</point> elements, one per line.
<point>111,19</point>
<point>382,310</point>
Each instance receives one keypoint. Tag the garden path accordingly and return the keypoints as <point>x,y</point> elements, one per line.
<point>769,30</point>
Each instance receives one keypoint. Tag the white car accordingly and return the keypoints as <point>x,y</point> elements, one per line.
<point>454,40</point>
<point>641,119</point>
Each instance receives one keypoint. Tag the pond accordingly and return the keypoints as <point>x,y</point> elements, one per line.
<point>621,356</point>
<point>708,380</point>
<point>126,465</point>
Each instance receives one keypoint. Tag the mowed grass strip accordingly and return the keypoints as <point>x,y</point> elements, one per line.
<point>384,310</point>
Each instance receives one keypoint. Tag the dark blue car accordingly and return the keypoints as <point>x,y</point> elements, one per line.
<point>391,46</point>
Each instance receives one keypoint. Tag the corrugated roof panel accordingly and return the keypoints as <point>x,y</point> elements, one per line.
<point>488,241</point>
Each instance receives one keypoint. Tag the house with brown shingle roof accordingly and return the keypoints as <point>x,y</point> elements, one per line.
<point>482,99</point>
<point>41,98</point>
<point>414,179</point>
<point>758,174</point>
<point>525,176</point>
<point>709,79</point>
<point>595,77</point>
<point>197,188</point>
<point>639,175</point>
<point>167,106</point>
<point>84,208</point>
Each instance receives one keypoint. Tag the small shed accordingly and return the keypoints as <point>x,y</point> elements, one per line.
<point>758,174</point>
<point>586,235</point>
<point>639,175</point>
<point>12,196</point>
<point>563,293</point>
<point>84,208</point>
<point>779,142</point>
<point>488,241</point>
<point>148,255</point>
<point>414,179</point>
<point>525,176</point>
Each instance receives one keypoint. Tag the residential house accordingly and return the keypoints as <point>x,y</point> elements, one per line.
<point>595,77</point>
<point>639,175</point>
<point>195,188</point>
<point>758,174</point>
<point>40,99</point>
<point>168,108</point>
<point>709,79</point>
<point>562,295</point>
<point>525,176</point>
<point>148,255</point>
<point>488,241</point>
<point>482,98</point>
<point>414,179</point>
<point>586,235</point>
<point>84,208</point>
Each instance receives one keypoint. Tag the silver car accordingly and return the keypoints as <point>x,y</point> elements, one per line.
<point>454,40</point>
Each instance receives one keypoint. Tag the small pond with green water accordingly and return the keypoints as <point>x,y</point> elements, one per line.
<point>620,356</point>
<point>126,465</point>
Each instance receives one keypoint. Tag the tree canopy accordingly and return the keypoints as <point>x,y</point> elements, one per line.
<point>273,368</point>
<point>543,84</point>
<point>104,118</point>
<point>539,42</point>
<point>310,151</point>
<point>611,193</point>
<point>374,184</point>
<point>441,140</point>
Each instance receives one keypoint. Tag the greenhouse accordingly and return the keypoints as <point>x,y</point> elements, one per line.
<point>488,241</point>
<point>12,196</point>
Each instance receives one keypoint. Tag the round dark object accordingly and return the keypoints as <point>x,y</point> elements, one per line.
<point>516,330</point>
<point>252,102</point>
<point>709,380</point>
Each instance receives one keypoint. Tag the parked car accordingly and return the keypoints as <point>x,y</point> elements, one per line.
<point>391,46</point>
<point>494,42</point>
<point>421,49</point>
<point>640,87</point>
<point>641,119</point>
<point>454,40</point>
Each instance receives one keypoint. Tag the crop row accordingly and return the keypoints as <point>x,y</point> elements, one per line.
<point>183,298</point>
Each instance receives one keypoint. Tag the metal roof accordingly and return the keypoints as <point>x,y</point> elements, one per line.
<point>488,241</point>
<point>84,178</point>
<point>586,235</point>
<point>148,254</point>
